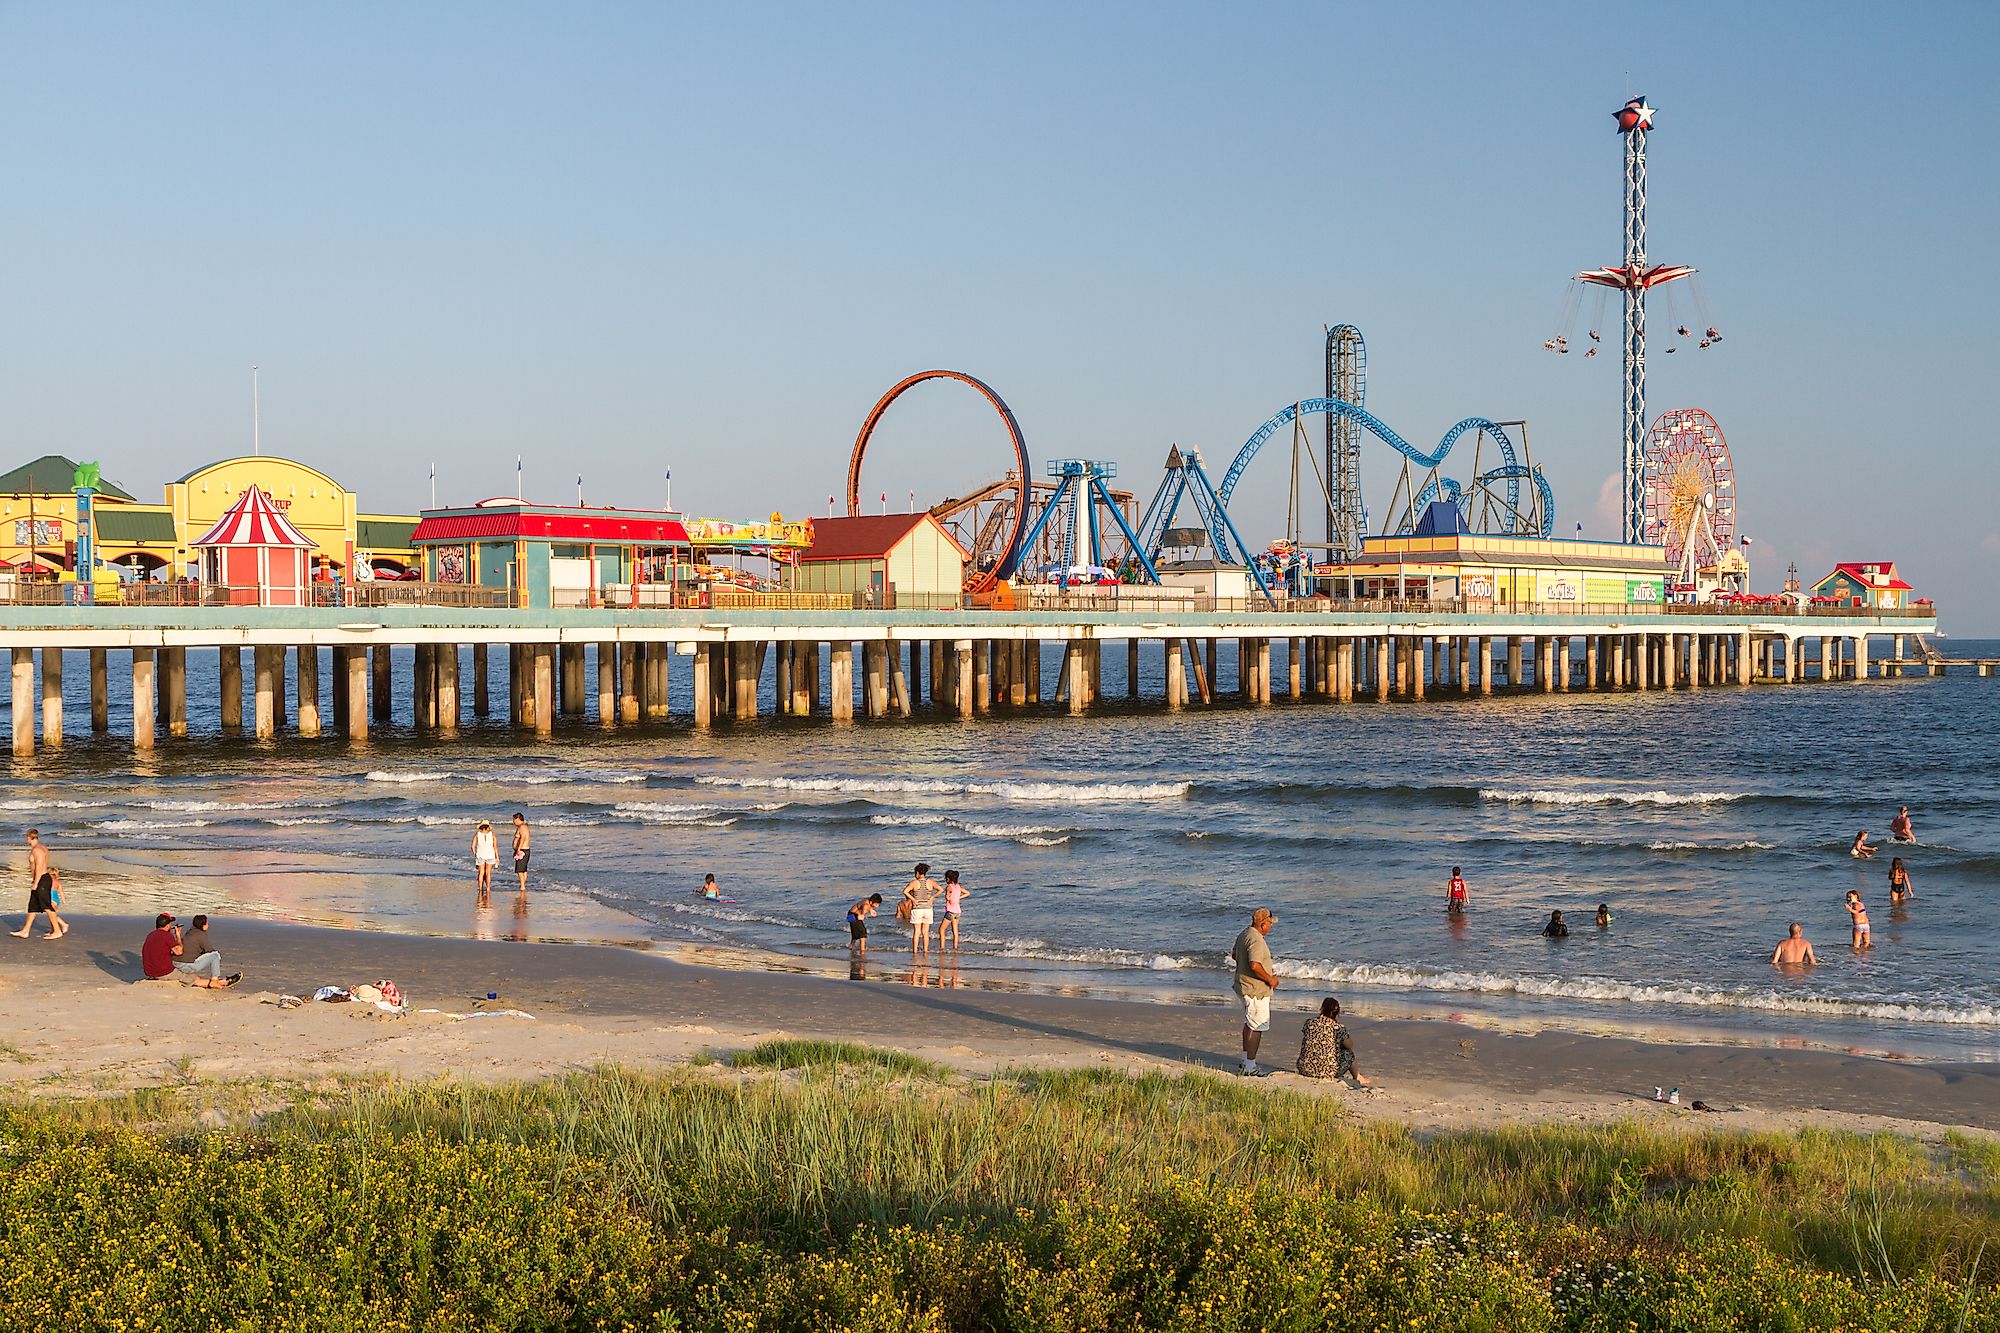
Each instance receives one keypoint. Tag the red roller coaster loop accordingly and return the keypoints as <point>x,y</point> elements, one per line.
<point>976,580</point>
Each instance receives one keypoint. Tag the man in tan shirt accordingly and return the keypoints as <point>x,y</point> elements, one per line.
<point>1254,983</point>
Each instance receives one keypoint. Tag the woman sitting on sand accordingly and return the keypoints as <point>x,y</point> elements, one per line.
<point>1325,1051</point>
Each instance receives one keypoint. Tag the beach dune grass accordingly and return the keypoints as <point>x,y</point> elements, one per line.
<point>815,1190</point>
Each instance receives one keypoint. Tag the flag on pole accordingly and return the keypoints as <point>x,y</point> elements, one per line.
<point>1579,529</point>
<point>1746,541</point>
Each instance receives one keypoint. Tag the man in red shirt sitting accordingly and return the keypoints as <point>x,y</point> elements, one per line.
<point>162,947</point>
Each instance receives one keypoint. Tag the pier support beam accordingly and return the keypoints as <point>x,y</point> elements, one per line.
<point>480,707</point>
<point>875,677</point>
<point>448,710</point>
<point>174,662</point>
<point>841,681</point>
<point>423,686</point>
<point>628,682</point>
<point>22,713</point>
<point>1413,649</point>
<point>382,693</point>
<point>982,675</point>
<point>901,693</point>
<point>1860,671</point>
<point>308,691</point>
<point>229,688</point>
<point>264,708</point>
<point>1590,642</point>
<point>704,684</point>
<point>52,712</point>
<point>1176,675</point>
<point>572,679</point>
<point>962,676</point>
<point>607,684</point>
<point>142,697</point>
<point>1514,659</point>
<point>100,690</point>
<point>543,662</point>
<point>356,667</point>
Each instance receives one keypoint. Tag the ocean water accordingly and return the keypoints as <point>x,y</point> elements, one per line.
<point>1121,853</point>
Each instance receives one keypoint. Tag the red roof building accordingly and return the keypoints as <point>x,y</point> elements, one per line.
<point>552,555</point>
<point>884,560</point>
<point>1854,583</point>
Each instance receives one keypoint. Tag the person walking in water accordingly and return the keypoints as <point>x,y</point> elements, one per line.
<point>485,855</point>
<point>955,895</point>
<point>1857,912</point>
<point>42,891</point>
<point>1454,894</point>
<point>1255,982</point>
<point>522,841</point>
<point>1900,829</point>
<point>1795,950</point>
<point>920,893</point>
<point>1900,888</point>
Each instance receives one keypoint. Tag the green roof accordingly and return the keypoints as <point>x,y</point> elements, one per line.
<point>115,524</point>
<point>49,475</point>
<point>377,534</point>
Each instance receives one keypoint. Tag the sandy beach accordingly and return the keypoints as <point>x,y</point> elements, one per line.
<point>77,1020</point>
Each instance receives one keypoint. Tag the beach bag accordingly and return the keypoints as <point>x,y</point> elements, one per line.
<point>903,911</point>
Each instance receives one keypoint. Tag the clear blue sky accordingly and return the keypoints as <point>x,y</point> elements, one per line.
<point>615,239</point>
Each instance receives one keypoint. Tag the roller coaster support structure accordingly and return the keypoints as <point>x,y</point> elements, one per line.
<point>1186,480</point>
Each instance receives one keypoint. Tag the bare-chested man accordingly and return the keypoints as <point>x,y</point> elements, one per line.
<point>1795,950</point>
<point>42,891</point>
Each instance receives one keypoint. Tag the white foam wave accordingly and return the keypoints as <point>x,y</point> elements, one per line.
<point>1043,951</point>
<point>1034,835</point>
<point>405,776</point>
<point>1008,791</point>
<point>292,821</point>
<point>575,775</point>
<point>1550,796</point>
<point>1610,988</point>
<point>200,807</point>
<point>1751,845</point>
<point>663,812</point>
<point>35,804</point>
<point>1045,842</point>
<point>146,825</point>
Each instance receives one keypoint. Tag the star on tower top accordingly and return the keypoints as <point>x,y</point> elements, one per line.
<point>1634,115</point>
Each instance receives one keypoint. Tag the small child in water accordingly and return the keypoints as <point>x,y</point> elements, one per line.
<point>1861,851</point>
<point>710,889</point>
<point>1604,916</point>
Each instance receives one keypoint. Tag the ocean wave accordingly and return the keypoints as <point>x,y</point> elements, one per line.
<point>574,775</point>
<point>663,812</point>
<point>1551,796</point>
<point>1010,791</point>
<point>146,825</point>
<point>385,775</point>
<point>1694,994</point>
<point>1043,951</point>
<point>202,807</point>
<point>1749,845</point>
<point>1034,835</point>
<point>26,803</point>
<point>292,821</point>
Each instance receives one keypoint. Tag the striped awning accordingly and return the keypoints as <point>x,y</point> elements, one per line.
<point>254,521</point>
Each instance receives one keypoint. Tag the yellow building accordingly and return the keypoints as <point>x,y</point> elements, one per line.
<point>38,517</point>
<point>315,503</point>
<point>1499,572</point>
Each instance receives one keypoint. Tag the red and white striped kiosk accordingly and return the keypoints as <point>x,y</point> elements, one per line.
<point>253,556</point>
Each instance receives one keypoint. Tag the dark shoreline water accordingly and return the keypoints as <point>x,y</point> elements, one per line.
<point>1119,854</point>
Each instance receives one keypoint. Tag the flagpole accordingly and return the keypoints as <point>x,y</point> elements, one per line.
<point>256,416</point>
<point>434,485</point>
<point>518,493</point>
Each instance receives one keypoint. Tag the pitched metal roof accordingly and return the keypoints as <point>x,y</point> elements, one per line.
<point>867,537</point>
<point>52,474</point>
<point>510,522</point>
<point>378,533</point>
<point>115,523</point>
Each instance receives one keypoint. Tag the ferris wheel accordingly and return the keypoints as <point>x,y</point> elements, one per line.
<point>1690,490</point>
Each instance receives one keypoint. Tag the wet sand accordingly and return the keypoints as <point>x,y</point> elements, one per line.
<point>77,1019</point>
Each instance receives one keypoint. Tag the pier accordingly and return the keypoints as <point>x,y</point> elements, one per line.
<point>329,671</point>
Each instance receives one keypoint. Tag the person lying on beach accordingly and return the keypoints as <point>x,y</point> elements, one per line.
<point>1900,888</point>
<point>1325,1050</point>
<point>1557,929</point>
<point>1861,851</point>
<point>1899,827</point>
<point>1795,950</point>
<point>1857,911</point>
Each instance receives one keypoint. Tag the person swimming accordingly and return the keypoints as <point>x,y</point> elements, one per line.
<point>1604,916</point>
<point>1557,928</point>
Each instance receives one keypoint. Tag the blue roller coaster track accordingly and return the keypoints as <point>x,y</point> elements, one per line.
<point>1449,489</point>
<point>1511,472</point>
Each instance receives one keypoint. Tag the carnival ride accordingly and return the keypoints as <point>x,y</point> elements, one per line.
<point>1187,481</point>
<point>1633,279</point>
<point>1690,493</point>
<point>1069,519</point>
<point>1009,518</point>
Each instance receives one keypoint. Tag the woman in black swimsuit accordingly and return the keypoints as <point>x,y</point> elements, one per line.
<point>1900,890</point>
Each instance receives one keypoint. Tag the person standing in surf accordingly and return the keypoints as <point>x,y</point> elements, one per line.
<point>920,893</point>
<point>1900,829</point>
<point>955,895</point>
<point>1454,894</point>
<point>522,841</point>
<point>485,855</point>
